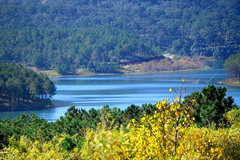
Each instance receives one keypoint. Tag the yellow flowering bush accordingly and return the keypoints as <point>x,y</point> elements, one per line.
<point>106,144</point>
<point>168,134</point>
<point>229,141</point>
<point>201,143</point>
<point>25,149</point>
<point>159,135</point>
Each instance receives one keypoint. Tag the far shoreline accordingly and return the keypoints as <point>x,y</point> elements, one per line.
<point>135,69</point>
<point>230,82</point>
<point>120,73</point>
<point>129,73</point>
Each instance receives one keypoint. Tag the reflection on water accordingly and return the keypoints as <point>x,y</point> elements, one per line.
<point>123,90</point>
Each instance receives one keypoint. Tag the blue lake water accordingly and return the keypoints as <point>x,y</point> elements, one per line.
<point>123,90</point>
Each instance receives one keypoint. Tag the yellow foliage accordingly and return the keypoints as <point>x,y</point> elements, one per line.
<point>25,149</point>
<point>160,135</point>
<point>167,134</point>
<point>106,144</point>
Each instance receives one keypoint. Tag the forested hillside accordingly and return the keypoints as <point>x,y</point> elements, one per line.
<point>22,89</point>
<point>67,49</point>
<point>89,33</point>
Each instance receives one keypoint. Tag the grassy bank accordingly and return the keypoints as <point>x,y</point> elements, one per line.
<point>49,73</point>
<point>167,64</point>
<point>154,66</point>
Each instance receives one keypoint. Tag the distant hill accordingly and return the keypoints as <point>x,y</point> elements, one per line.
<point>99,35</point>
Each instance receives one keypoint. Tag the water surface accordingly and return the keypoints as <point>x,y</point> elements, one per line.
<point>123,90</point>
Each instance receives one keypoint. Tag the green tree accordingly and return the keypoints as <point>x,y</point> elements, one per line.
<point>232,67</point>
<point>209,105</point>
<point>21,87</point>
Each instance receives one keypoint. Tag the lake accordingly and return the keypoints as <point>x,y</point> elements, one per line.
<point>123,90</point>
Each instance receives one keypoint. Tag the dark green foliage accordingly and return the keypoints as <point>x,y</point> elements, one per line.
<point>232,66</point>
<point>76,121</point>
<point>210,105</point>
<point>103,67</point>
<point>133,112</point>
<point>80,141</point>
<point>74,124</point>
<point>22,88</point>
<point>65,69</point>
<point>31,126</point>
<point>98,31</point>
<point>67,49</point>
<point>68,144</point>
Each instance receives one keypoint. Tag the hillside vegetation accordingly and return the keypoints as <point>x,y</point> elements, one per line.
<point>167,130</point>
<point>67,49</point>
<point>232,67</point>
<point>23,89</point>
<point>101,35</point>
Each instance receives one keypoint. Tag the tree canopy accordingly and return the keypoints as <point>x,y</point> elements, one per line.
<point>21,88</point>
<point>107,32</point>
<point>232,66</point>
<point>67,49</point>
<point>209,105</point>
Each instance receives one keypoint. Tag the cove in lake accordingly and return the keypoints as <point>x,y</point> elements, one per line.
<point>123,90</point>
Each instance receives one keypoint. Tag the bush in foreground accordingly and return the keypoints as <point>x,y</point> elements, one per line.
<point>170,132</point>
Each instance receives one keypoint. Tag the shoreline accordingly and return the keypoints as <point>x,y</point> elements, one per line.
<point>137,69</point>
<point>167,71</point>
<point>25,109</point>
<point>26,106</point>
<point>230,82</point>
<point>121,73</point>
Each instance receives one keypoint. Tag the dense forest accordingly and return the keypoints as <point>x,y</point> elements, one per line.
<point>196,128</point>
<point>65,50</point>
<point>22,89</point>
<point>100,35</point>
